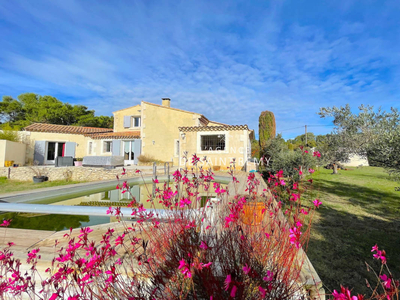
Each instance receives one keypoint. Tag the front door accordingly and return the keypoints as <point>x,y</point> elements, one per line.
<point>129,154</point>
<point>54,149</point>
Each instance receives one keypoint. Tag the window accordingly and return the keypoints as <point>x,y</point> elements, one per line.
<point>135,121</point>
<point>215,142</point>
<point>90,148</point>
<point>107,146</point>
<point>176,148</point>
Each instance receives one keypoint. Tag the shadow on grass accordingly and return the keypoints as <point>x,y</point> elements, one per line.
<point>341,244</point>
<point>373,201</point>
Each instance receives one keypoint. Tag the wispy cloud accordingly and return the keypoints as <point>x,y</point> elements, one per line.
<point>227,60</point>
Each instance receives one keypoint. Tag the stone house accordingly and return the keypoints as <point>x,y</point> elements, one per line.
<point>159,132</point>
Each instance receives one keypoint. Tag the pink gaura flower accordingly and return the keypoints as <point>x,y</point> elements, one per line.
<point>54,296</point>
<point>311,171</point>
<point>233,291</point>
<point>317,203</point>
<point>110,211</point>
<point>262,292</point>
<point>246,269</point>
<point>345,294</point>
<point>184,268</point>
<point>282,182</point>
<point>269,277</point>
<point>294,237</point>
<point>6,223</point>
<point>155,181</point>
<point>203,245</point>
<point>375,248</point>
<point>386,281</point>
<point>317,154</point>
<point>228,281</point>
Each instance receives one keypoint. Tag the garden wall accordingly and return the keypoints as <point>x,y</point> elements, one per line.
<point>66,173</point>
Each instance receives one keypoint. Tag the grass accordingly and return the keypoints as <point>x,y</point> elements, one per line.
<point>8,186</point>
<point>360,209</point>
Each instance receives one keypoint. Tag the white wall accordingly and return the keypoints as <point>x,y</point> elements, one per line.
<point>355,161</point>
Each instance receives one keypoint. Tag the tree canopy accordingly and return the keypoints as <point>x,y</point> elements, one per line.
<point>370,132</point>
<point>29,108</point>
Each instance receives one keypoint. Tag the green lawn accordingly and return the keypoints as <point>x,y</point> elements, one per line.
<point>8,186</point>
<point>360,209</point>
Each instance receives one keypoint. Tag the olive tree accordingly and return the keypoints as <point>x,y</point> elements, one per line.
<point>369,131</point>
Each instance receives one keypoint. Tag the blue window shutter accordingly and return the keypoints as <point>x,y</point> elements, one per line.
<point>116,148</point>
<point>127,121</point>
<point>39,152</point>
<point>137,149</point>
<point>70,149</point>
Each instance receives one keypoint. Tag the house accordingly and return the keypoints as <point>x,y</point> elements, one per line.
<point>160,132</point>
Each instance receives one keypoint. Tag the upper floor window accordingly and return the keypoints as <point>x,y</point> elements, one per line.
<point>215,142</point>
<point>132,121</point>
<point>135,121</point>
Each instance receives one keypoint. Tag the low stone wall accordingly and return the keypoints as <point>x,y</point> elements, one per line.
<point>66,173</point>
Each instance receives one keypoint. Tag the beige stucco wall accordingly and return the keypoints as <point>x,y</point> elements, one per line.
<point>119,118</point>
<point>236,143</point>
<point>160,130</point>
<point>12,151</point>
<point>31,137</point>
<point>97,148</point>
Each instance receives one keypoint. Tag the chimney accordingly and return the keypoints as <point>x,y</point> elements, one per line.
<point>166,102</point>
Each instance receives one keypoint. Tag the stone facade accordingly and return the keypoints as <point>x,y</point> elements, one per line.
<point>66,173</point>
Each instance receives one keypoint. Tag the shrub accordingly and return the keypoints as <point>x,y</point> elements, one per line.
<point>183,252</point>
<point>148,159</point>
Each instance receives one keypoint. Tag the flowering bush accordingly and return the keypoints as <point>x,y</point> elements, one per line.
<point>186,251</point>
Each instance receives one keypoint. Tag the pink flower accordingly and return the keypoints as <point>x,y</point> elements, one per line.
<point>155,180</point>
<point>386,281</point>
<point>282,182</point>
<point>294,236</point>
<point>228,281</point>
<point>246,269</point>
<point>311,171</point>
<point>269,277</point>
<point>317,203</point>
<point>262,292</point>
<point>317,154</point>
<point>110,211</point>
<point>184,268</point>
<point>54,296</point>
<point>300,172</point>
<point>6,223</point>
<point>306,151</point>
<point>123,171</point>
<point>233,291</point>
<point>203,245</point>
<point>374,248</point>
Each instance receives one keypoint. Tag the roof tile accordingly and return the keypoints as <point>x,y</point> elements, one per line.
<point>42,127</point>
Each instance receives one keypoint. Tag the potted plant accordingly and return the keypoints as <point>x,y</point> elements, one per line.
<point>39,172</point>
<point>78,161</point>
<point>253,210</point>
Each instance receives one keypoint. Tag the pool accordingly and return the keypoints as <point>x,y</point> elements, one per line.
<point>102,196</point>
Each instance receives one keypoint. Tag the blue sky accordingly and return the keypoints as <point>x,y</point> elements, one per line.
<point>229,60</point>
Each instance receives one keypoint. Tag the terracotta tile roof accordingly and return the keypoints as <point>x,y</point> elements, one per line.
<point>41,127</point>
<point>214,128</point>
<point>115,135</point>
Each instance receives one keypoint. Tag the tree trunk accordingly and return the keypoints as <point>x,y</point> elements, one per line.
<point>334,169</point>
